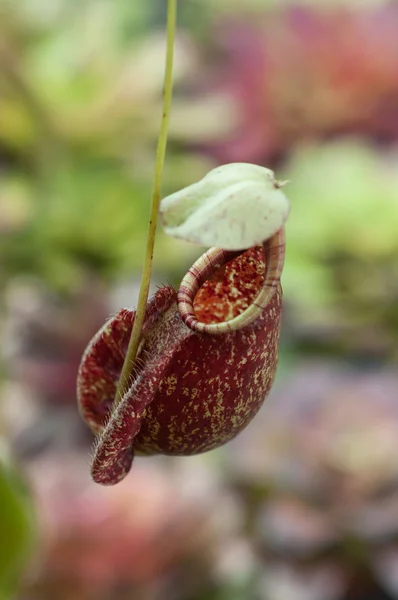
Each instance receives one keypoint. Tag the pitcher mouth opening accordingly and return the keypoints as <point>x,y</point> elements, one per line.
<point>232,288</point>
<point>225,291</point>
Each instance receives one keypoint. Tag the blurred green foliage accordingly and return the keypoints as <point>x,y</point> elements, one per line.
<point>80,93</point>
<point>16,530</point>
<point>342,268</point>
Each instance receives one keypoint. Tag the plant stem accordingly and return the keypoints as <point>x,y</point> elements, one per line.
<point>160,155</point>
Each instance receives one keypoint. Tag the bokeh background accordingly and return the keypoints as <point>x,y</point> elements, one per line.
<point>304,504</point>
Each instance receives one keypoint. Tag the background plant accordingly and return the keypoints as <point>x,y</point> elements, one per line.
<point>80,93</point>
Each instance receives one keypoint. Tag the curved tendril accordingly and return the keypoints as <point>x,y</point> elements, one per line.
<point>135,338</point>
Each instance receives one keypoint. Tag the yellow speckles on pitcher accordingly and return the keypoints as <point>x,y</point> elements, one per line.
<point>170,384</point>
